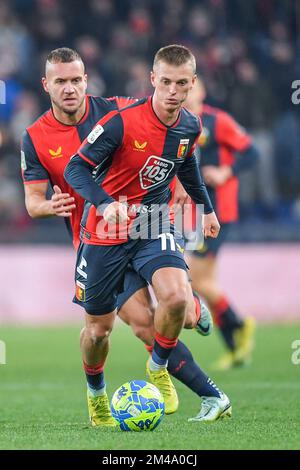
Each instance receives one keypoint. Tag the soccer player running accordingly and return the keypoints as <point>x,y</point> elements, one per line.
<point>226,150</point>
<point>109,170</point>
<point>46,149</point>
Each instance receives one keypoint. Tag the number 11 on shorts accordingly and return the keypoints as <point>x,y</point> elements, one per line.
<point>167,236</point>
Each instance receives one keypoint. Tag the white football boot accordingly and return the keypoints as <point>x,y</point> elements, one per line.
<point>213,408</point>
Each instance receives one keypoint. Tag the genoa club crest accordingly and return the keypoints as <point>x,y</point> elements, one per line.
<point>183,148</point>
<point>80,291</point>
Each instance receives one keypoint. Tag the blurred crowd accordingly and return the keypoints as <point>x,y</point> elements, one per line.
<point>246,51</point>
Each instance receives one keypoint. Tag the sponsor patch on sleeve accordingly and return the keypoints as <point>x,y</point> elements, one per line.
<point>94,134</point>
<point>23,161</point>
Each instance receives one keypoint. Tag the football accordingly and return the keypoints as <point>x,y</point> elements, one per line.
<point>137,406</point>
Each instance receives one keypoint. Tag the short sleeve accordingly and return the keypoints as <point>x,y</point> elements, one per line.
<point>231,134</point>
<point>103,140</point>
<point>198,131</point>
<point>32,169</point>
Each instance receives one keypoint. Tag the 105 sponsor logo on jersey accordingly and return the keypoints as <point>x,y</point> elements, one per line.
<point>155,171</point>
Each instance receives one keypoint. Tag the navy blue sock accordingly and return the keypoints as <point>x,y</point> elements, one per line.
<point>227,320</point>
<point>161,351</point>
<point>182,366</point>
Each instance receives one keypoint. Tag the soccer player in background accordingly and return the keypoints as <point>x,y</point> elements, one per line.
<point>226,150</point>
<point>46,149</point>
<point>107,170</point>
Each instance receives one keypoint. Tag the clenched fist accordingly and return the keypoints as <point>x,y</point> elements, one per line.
<point>115,212</point>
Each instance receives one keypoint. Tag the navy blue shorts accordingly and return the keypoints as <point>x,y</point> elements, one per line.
<point>211,246</point>
<point>100,270</point>
<point>132,283</point>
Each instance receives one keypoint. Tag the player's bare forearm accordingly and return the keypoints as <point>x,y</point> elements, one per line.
<point>216,176</point>
<point>38,209</point>
<point>36,202</point>
<point>38,206</point>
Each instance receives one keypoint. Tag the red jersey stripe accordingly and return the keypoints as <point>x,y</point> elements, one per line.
<point>35,181</point>
<point>86,159</point>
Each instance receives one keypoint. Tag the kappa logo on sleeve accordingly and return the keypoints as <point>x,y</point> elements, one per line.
<point>94,134</point>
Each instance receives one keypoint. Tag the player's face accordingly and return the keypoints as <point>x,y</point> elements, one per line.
<point>195,97</point>
<point>66,84</point>
<point>172,84</point>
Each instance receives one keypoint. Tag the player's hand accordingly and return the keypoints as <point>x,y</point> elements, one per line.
<point>216,176</point>
<point>62,204</point>
<point>211,226</point>
<point>115,212</point>
<point>181,197</point>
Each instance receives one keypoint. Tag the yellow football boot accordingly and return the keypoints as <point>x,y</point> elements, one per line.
<point>244,344</point>
<point>99,411</point>
<point>161,379</point>
<point>225,362</point>
<point>244,341</point>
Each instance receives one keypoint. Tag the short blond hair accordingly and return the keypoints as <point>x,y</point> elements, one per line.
<point>175,54</point>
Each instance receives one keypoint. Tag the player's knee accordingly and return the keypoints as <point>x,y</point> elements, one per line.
<point>175,298</point>
<point>98,334</point>
<point>98,337</point>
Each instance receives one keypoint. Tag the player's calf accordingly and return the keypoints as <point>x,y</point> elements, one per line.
<point>94,337</point>
<point>139,316</point>
<point>198,316</point>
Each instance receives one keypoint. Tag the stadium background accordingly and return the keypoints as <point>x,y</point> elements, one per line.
<point>248,54</point>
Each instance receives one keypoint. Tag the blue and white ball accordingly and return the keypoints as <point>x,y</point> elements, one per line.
<point>137,406</point>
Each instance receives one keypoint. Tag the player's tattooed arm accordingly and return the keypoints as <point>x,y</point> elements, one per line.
<point>38,206</point>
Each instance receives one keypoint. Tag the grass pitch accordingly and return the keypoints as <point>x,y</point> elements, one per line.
<point>43,404</point>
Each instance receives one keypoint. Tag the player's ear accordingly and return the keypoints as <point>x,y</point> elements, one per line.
<point>45,85</point>
<point>85,79</point>
<point>194,80</point>
<point>152,78</point>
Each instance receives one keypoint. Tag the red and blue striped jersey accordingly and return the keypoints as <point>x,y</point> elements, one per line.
<point>220,139</point>
<point>48,145</point>
<point>135,156</point>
